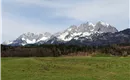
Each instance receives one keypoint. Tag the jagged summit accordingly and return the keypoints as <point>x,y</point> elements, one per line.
<point>30,38</point>
<point>86,29</point>
<point>83,31</point>
<point>102,23</point>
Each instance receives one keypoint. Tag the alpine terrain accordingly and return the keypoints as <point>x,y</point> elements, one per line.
<point>87,33</point>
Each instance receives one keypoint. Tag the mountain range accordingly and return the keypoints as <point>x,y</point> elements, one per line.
<point>87,33</point>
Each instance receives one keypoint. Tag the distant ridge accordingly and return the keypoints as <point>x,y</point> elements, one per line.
<point>87,33</point>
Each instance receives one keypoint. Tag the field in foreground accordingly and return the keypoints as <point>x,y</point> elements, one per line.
<point>66,68</point>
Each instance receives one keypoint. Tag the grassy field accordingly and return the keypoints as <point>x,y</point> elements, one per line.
<point>66,68</point>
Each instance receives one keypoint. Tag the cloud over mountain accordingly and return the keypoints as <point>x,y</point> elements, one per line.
<point>57,15</point>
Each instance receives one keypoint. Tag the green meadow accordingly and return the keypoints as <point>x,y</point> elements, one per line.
<point>66,68</point>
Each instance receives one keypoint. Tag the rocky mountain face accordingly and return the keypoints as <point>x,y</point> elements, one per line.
<point>104,39</point>
<point>86,30</point>
<point>29,38</point>
<point>86,34</point>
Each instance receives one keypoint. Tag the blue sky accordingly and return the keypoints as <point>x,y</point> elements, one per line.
<point>21,16</point>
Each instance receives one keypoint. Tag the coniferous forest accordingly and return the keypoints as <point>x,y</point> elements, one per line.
<point>47,50</point>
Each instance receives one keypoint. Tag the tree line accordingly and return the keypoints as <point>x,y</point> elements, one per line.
<point>49,50</point>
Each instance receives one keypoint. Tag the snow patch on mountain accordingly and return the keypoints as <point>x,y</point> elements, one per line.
<point>81,32</point>
<point>7,42</point>
<point>104,24</point>
<point>30,38</point>
<point>86,34</point>
<point>86,30</point>
<point>31,41</point>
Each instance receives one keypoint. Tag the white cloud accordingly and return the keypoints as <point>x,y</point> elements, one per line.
<point>84,10</point>
<point>42,3</point>
<point>115,12</point>
<point>96,9</point>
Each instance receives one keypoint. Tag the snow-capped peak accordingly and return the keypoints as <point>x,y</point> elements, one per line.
<point>85,30</point>
<point>72,28</point>
<point>31,38</point>
<point>103,27</point>
<point>103,23</point>
<point>90,24</point>
<point>7,42</point>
